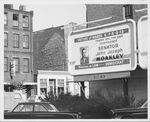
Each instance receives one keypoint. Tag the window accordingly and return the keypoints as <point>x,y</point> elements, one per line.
<point>39,108</point>
<point>50,107</point>
<point>26,65</point>
<point>26,41</point>
<point>60,82</point>
<point>27,108</point>
<point>16,40</point>
<point>43,83</point>
<point>5,18</point>
<point>16,60</point>
<point>18,108</point>
<point>6,39</point>
<point>5,64</point>
<point>15,19</point>
<point>25,21</point>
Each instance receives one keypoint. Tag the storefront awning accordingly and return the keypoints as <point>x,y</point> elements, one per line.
<point>29,83</point>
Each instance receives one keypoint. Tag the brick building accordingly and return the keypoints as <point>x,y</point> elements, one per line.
<point>50,50</point>
<point>136,84</point>
<point>18,49</point>
<point>51,47</point>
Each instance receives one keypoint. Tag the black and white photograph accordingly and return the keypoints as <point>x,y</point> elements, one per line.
<point>84,55</point>
<point>74,61</point>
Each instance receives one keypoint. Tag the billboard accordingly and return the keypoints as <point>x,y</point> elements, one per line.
<point>143,42</point>
<point>103,49</point>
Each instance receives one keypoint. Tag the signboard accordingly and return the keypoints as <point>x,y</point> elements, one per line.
<point>143,42</point>
<point>103,76</point>
<point>109,48</point>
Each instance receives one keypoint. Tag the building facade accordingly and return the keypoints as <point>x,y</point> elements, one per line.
<point>49,50</point>
<point>56,82</point>
<point>136,84</point>
<point>18,49</point>
<point>51,57</point>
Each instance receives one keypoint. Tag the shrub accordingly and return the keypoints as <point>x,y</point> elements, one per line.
<point>97,107</point>
<point>89,108</point>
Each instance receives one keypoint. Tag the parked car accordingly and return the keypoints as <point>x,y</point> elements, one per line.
<point>38,110</point>
<point>131,113</point>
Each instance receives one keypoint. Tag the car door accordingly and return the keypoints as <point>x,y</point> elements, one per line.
<point>41,112</point>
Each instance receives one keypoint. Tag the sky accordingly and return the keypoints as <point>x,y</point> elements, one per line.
<point>48,15</point>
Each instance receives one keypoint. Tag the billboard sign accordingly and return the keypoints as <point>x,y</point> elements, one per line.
<point>103,49</point>
<point>143,42</point>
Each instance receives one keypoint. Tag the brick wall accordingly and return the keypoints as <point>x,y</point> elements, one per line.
<point>49,50</point>
<point>97,11</point>
<point>19,52</point>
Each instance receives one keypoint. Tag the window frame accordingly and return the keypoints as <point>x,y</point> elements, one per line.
<point>16,41</point>
<point>17,70</point>
<point>15,21</point>
<point>18,108</point>
<point>6,64</point>
<point>5,18</point>
<point>25,41</point>
<point>5,40</point>
<point>40,105</point>
<point>27,59</point>
<point>25,23</point>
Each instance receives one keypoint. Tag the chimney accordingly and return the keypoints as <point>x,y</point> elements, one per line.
<point>128,11</point>
<point>8,6</point>
<point>22,8</point>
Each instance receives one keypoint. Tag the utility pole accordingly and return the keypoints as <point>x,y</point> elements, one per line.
<point>128,14</point>
<point>82,89</point>
<point>125,91</point>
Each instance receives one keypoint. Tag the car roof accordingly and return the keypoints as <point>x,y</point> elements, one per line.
<point>33,102</point>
